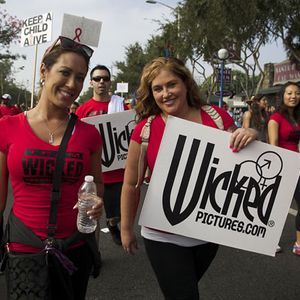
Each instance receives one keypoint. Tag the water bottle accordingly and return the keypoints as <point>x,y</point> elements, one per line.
<point>86,199</point>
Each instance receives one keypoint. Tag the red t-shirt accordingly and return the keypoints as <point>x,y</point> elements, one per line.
<point>288,135</point>
<point>158,127</point>
<point>8,110</point>
<point>94,108</point>
<point>31,163</point>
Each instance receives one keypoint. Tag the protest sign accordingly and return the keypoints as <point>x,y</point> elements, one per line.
<point>115,130</point>
<point>82,30</point>
<point>36,30</point>
<point>199,188</point>
<point>122,87</point>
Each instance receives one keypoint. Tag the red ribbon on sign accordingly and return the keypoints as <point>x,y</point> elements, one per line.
<point>78,32</point>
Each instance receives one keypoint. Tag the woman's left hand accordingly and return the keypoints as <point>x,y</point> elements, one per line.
<point>97,209</point>
<point>242,137</point>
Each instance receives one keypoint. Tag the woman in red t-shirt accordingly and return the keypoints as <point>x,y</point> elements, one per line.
<point>29,143</point>
<point>167,88</point>
<point>284,131</point>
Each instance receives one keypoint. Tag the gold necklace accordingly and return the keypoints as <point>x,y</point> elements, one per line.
<point>51,133</point>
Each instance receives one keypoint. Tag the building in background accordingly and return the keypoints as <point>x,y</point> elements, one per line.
<point>276,75</point>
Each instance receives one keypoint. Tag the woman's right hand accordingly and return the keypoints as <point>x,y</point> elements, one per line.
<point>129,241</point>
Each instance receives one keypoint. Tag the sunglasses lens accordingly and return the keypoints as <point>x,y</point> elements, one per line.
<point>67,43</point>
<point>98,78</point>
<point>88,51</point>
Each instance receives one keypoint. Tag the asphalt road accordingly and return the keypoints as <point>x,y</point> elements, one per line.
<point>234,274</point>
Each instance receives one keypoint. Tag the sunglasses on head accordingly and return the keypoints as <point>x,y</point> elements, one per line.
<point>66,43</point>
<point>98,78</point>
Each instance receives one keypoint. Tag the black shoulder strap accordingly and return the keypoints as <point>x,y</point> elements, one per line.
<point>60,157</point>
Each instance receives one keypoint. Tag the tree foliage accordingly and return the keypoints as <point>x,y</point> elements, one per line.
<point>10,27</point>
<point>284,24</point>
<point>239,26</point>
<point>88,94</point>
<point>130,70</point>
<point>202,27</point>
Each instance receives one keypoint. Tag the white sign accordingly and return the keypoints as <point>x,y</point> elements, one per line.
<point>115,130</point>
<point>201,189</point>
<point>122,87</point>
<point>37,30</point>
<point>82,30</point>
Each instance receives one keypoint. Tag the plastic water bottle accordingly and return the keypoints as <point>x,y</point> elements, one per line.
<point>86,199</point>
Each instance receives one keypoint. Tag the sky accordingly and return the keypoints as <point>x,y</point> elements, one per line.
<point>124,22</point>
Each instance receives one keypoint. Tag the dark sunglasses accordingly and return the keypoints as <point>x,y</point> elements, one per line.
<point>66,43</point>
<point>98,78</point>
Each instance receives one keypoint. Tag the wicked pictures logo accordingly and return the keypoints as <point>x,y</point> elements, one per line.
<point>251,195</point>
<point>115,142</point>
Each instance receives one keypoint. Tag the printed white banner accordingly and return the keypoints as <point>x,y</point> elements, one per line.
<point>37,30</point>
<point>201,189</point>
<point>115,130</point>
<point>81,29</point>
<point>122,87</point>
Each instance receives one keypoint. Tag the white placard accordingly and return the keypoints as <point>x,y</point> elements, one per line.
<point>201,189</point>
<point>115,130</point>
<point>122,87</point>
<point>82,30</point>
<point>37,30</point>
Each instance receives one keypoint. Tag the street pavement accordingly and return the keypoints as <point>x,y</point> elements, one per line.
<point>233,275</point>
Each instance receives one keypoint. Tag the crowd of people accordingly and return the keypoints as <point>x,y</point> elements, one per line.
<point>6,108</point>
<point>167,88</point>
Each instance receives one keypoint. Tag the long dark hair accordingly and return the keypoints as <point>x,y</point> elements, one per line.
<point>257,113</point>
<point>283,109</point>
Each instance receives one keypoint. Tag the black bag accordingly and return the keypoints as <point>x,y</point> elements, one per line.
<point>1,240</point>
<point>27,270</point>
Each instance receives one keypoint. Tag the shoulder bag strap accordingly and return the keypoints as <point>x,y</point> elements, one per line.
<point>60,157</point>
<point>145,135</point>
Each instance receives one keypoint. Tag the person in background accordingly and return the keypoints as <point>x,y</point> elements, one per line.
<point>18,107</point>
<point>105,103</point>
<point>168,88</point>
<point>6,109</point>
<point>271,109</point>
<point>284,131</point>
<point>74,107</point>
<point>28,144</point>
<point>257,116</point>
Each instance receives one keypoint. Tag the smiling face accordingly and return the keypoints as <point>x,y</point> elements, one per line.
<point>64,80</point>
<point>170,93</point>
<point>263,103</point>
<point>291,96</point>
